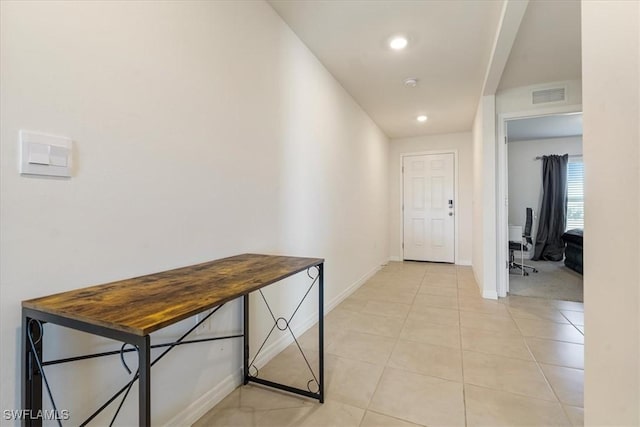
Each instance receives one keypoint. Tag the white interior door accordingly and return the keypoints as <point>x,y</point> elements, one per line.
<point>428,210</point>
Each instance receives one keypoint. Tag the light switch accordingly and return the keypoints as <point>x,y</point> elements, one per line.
<point>47,155</point>
<point>58,156</point>
<point>38,154</point>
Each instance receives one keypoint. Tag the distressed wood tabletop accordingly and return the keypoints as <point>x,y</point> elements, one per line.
<point>145,304</point>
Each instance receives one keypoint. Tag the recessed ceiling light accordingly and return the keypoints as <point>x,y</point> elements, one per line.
<point>398,43</point>
<point>411,82</point>
<point>421,118</point>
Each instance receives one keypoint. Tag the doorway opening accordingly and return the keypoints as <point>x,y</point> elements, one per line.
<point>543,214</point>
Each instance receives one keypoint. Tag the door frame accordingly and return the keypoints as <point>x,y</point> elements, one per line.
<point>455,197</point>
<point>502,201</point>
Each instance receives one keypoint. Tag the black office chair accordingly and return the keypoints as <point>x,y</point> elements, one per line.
<point>526,242</point>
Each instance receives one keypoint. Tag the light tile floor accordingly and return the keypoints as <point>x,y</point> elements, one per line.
<point>417,346</point>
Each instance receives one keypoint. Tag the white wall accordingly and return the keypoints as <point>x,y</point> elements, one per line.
<point>201,130</point>
<point>611,88</point>
<point>477,252</point>
<point>519,98</point>
<point>462,144</point>
<point>484,197</point>
<point>525,174</point>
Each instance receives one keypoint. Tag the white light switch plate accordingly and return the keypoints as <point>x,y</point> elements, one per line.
<point>47,155</point>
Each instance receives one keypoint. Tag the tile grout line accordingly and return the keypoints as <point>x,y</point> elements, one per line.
<point>521,395</point>
<point>404,322</point>
<point>537,362</point>
<point>547,321</point>
<point>570,322</point>
<point>464,389</point>
<point>375,389</point>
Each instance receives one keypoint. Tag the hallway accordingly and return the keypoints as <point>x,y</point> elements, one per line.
<point>417,346</point>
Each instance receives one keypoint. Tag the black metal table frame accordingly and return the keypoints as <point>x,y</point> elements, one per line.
<point>33,374</point>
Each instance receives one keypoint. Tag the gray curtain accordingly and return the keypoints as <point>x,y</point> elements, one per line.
<point>553,211</point>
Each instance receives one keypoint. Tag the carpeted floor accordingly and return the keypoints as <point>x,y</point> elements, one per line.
<point>553,281</point>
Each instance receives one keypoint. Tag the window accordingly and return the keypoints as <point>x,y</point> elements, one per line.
<point>575,194</point>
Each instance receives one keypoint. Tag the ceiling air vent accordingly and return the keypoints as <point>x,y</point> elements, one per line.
<point>545,96</point>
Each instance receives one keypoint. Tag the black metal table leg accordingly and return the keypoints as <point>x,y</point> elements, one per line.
<point>31,377</point>
<point>144,392</point>
<point>321,331</point>
<point>245,348</point>
<point>283,324</point>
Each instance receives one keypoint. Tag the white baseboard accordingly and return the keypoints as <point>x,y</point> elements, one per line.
<point>475,276</point>
<point>283,342</point>
<point>350,289</point>
<point>458,262</point>
<point>489,294</point>
<point>209,400</point>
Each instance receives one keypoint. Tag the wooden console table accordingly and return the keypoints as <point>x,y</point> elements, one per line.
<point>129,310</point>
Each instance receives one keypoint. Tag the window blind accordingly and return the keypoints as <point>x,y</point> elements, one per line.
<point>575,194</point>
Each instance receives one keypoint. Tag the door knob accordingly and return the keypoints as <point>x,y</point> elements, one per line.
<point>450,213</point>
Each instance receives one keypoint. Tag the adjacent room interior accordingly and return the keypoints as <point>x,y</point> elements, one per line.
<point>557,276</point>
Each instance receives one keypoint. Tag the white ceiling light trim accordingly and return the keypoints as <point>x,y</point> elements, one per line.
<point>411,82</point>
<point>398,42</point>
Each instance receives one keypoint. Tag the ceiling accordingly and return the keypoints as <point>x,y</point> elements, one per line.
<point>557,126</point>
<point>449,50</point>
<point>547,47</point>
<point>449,47</point>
